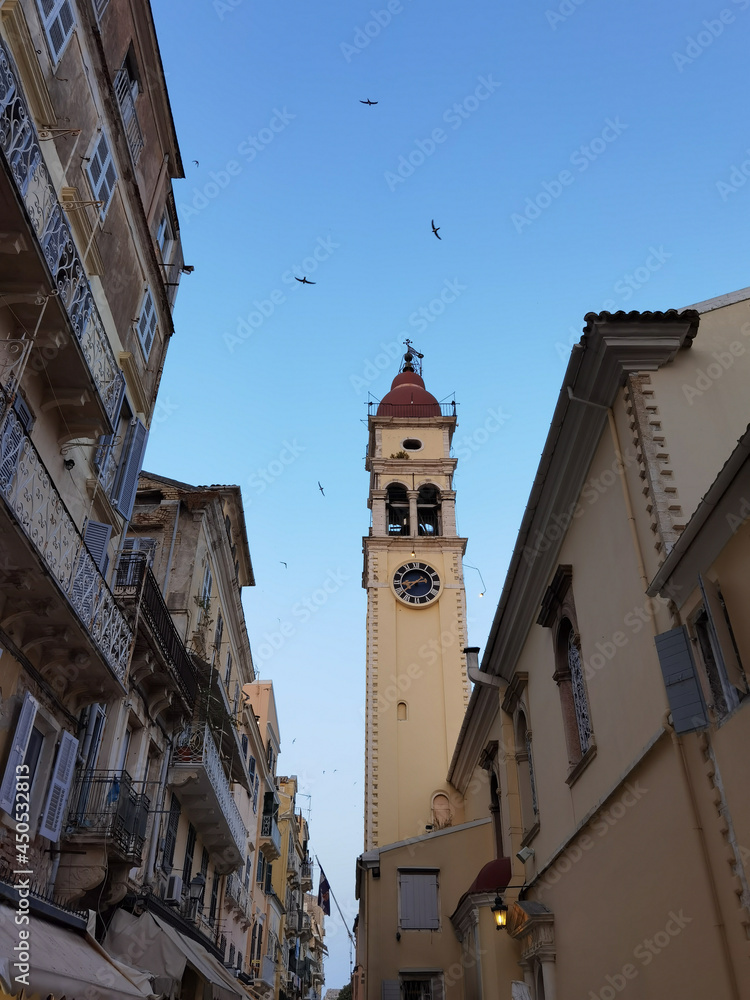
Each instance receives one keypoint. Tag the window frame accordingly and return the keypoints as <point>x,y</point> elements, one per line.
<point>149,311</point>
<point>415,873</point>
<point>47,20</point>
<point>100,136</point>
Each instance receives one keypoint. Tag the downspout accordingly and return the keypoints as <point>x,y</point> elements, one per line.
<point>477,676</point>
<point>172,503</point>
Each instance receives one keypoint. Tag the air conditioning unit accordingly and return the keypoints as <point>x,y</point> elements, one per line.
<point>174,889</point>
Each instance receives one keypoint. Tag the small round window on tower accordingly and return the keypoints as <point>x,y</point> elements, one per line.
<point>411,444</point>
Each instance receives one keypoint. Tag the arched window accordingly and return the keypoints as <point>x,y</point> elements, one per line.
<point>397,509</point>
<point>442,815</point>
<point>428,511</point>
<point>569,676</point>
<point>402,713</point>
<point>526,784</point>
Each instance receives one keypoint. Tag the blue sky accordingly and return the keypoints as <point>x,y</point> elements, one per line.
<point>576,156</point>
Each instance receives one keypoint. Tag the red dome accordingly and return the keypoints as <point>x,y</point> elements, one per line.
<point>408,398</point>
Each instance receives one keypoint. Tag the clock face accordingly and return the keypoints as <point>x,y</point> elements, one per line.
<point>416,583</point>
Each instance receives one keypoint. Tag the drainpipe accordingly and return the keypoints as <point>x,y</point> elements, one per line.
<point>172,503</point>
<point>476,675</point>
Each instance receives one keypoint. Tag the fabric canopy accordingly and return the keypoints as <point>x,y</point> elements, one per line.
<point>65,962</point>
<point>151,944</point>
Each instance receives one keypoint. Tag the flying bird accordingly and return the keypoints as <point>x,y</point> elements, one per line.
<point>435,231</point>
<point>304,281</point>
<point>283,564</point>
<point>321,488</point>
<point>196,163</point>
<point>368,101</point>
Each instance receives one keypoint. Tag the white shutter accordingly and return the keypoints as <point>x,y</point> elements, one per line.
<point>18,751</point>
<point>58,20</point>
<point>147,322</point>
<point>724,645</point>
<point>96,536</point>
<point>130,467</point>
<point>102,174</point>
<point>59,788</point>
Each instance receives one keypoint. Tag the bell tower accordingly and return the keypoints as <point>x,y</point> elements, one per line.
<point>417,688</point>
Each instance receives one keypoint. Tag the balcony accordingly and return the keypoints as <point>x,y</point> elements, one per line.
<point>69,587</point>
<point>306,879</point>
<point>161,664</point>
<point>270,837</point>
<point>197,774</point>
<point>293,868</point>
<point>107,808</point>
<point>236,896</point>
<point>54,276</point>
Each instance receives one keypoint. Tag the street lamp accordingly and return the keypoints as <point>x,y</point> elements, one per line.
<point>197,885</point>
<point>500,911</point>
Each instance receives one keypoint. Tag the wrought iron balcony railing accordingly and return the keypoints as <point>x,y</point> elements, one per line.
<point>196,746</point>
<point>236,893</point>
<point>134,579</point>
<point>106,806</point>
<point>28,490</point>
<point>23,156</point>
<point>269,829</point>
<point>409,410</point>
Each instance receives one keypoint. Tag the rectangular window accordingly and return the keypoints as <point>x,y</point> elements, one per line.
<point>248,870</point>
<point>205,595</point>
<point>228,671</point>
<point>147,323</point>
<point>58,21</point>
<point>726,677</point>
<point>214,899</point>
<point>418,900</point>
<point>204,863</point>
<point>131,462</point>
<point>260,872</point>
<point>218,635</point>
<point>255,794</point>
<point>127,89</point>
<point>102,174</point>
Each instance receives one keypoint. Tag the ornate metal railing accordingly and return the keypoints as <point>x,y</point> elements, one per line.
<point>105,804</point>
<point>270,828</point>
<point>237,893</point>
<point>196,745</point>
<point>409,410</point>
<point>130,121</point>
<point>23,156</point>
<point>13,354</point>
<point>29,492</point>
<point>135,579</point>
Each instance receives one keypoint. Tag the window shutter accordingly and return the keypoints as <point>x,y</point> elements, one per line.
<point>18,751</point>
<point>681,680</point>
<point>96,537</point>
<point>255,795</point>
<point>724,644</point>
<point>59,788</point>
<point>171,836</point>
<point>437,988</point>
<point>147,322</point>
<point>23,412</point>
<point>406,884</point>
<point>57,16</point>
<point>390,989</point>
<point>130,467</point>
<point>419,900</point>
<point>102,174</point>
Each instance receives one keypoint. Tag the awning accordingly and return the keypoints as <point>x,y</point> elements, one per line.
<point>150,943</point>
<point>64,962</point>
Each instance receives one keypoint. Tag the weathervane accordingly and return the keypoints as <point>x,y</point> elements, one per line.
<point>412,359</point>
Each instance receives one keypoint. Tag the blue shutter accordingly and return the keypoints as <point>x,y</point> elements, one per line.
<point>18,751</point>
<point>681,680</point>
<point>58,20</point>
<point>102,174</point>
<point>59,788</point>
<point>130,467</point>
<point>406,901</point>
<point>147,323</point>
<point>96,536</point>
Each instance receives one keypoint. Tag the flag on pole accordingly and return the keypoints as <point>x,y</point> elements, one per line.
<point>324,893</point>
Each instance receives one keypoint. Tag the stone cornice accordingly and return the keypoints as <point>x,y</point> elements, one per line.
<point>612,347</point>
